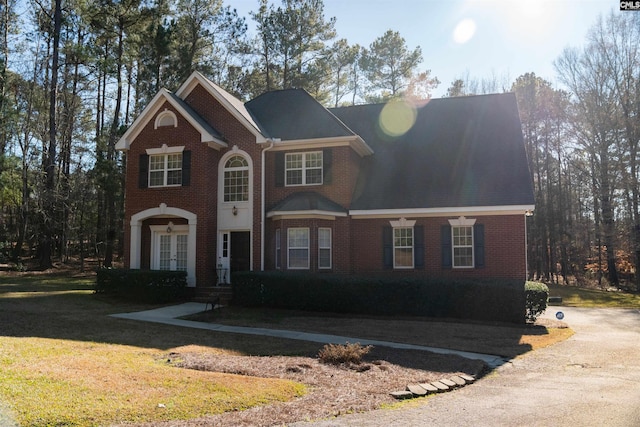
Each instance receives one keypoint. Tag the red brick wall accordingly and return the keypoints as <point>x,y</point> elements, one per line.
<point>504,248</point>
<point>356,243</point>
<point>345,166</point>
<point>340,242</point>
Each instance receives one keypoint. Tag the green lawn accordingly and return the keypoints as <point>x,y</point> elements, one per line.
<point>579,297</point>
<point>63,361</point>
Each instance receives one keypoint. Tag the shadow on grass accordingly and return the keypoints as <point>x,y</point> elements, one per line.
<point>66,308</point>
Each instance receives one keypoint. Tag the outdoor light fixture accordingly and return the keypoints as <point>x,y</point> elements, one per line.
<point>169,227</point>
<point>234,211</point>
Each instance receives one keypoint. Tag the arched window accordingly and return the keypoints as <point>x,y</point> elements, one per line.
<point>236,180</point>
<point>166,118</point>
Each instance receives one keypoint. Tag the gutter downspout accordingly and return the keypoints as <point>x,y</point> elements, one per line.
<point>263,202</point>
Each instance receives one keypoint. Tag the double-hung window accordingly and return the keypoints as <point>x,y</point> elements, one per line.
<point>462,239</point>
<point>324,248</point>
<point>278,249</point>
<point>165,170</point>
<point>303,168</point>
<point>298,248</point>
<point>403,247</point>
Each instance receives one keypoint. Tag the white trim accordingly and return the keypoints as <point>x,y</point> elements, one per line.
<point>161,116</point>
<point>167,212</point>
<point>304,168</point>
<point>444,211</point>
<point>354,141</point>
<point>462,222</point>
<point>403,222</point>
<point>413,245</point>
<point>317,214</point>
<point>165,150</point>
<point>151,109</point>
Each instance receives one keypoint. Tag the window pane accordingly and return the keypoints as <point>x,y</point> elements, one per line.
<point>404,257</point>
<point>324,258</point>
<point>294,161</point>
<point>236,185</point>
<point>298,258</point>
<point>294,177</point>
<point>174,161</point>
<point>314,176</point>
<point>156,163</point>
<point>156,178</point>
<point>313,160</point>
<point>463,257</point>
<point>174,177</point>
<point>324,248</point>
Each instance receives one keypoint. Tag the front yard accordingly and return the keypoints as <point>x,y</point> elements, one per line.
<point>64,361</point>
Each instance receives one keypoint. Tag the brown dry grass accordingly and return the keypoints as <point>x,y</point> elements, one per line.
<point>333,390</point>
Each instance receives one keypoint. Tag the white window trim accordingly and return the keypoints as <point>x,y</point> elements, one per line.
<point>330,248</point>
<point>235,169</point>
<point>295,247</point>
<point>165,170</point>
<point>165,150</point>
<point>460,223</point>
<point>162,116</point>
<point>304,169</point>
<point>413,248</point>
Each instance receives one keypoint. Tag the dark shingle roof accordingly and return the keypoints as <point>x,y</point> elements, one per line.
<point>293,114</point>
<point>307,201</point>
<point>465,151</point>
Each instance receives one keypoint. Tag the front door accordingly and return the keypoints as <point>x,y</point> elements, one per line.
<point>171,251</point>
<point>240,251</point>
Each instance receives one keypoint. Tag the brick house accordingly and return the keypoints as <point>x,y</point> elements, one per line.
<point>215,185</point>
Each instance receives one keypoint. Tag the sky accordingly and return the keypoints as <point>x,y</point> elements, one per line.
<point>475,38</point>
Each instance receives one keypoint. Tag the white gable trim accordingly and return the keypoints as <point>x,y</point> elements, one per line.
<point>462,222</point>
<point>446,211</point>
<point>150,111</point>
<point>228,101</point>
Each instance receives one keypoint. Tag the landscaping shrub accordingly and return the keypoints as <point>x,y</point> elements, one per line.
<point>431,297</point>
<point>146,286</point>
<point>336,354</point>
<point>537,295</point>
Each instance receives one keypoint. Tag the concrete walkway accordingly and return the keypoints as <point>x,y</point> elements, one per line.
<point>170,316</point>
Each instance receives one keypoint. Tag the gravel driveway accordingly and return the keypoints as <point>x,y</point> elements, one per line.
<point>591,379</point>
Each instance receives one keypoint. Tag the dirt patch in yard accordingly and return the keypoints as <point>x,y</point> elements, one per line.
<point>332,390</point>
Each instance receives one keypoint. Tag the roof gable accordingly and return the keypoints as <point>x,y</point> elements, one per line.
<point>464,151</point>
<point>207,133</point>
<point>231,103</point>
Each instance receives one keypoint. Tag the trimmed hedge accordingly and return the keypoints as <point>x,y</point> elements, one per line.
<point>537,295</point>
<point>497,300</point>
<point>146,286</point>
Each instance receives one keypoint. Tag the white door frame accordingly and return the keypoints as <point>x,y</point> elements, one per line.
<point>161,230</point>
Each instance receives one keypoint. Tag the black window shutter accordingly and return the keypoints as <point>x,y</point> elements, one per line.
<point>279,169</point>
<point>387,247</point>
<point>143,177</point>
<point>418,246</point>
<point>327,159</point>
<point>478,244</point>
<point>445,237</point>
<point>186,168</point>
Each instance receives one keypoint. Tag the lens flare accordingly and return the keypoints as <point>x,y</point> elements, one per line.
<point>464,31</point>
<point>397,117</point>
